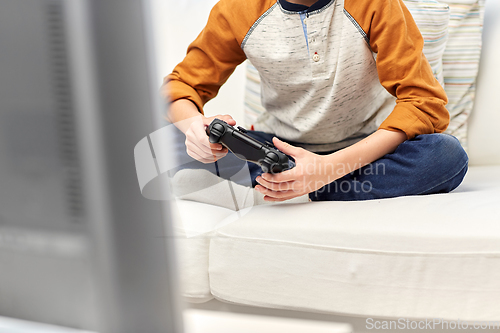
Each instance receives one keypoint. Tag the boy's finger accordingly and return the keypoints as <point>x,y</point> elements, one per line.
<point>285,176</point>
<point>283,186</point>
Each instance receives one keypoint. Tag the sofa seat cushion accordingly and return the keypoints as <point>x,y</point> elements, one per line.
<point>435,256</point>
<point>195,222</point>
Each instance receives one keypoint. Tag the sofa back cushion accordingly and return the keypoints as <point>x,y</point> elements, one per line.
<point>484,141</point>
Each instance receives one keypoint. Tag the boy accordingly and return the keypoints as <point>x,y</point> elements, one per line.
<point>328,69</point>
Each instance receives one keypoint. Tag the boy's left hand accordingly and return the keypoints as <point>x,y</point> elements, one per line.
<point>308,175</point>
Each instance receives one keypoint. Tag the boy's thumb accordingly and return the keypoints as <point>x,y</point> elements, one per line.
<point>285,147</point>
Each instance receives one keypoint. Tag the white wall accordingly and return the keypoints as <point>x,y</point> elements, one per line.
<point>176,24</point>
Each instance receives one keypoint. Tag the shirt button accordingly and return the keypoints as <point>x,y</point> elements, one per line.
<point>316,57</point>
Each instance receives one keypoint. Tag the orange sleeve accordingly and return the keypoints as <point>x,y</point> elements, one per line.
<point>402,67</point>
<point>215,53</point>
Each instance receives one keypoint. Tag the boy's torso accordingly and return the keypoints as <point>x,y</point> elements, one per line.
<point>321,90</point>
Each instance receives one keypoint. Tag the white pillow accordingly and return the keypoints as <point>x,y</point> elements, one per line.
<point>432,19</point>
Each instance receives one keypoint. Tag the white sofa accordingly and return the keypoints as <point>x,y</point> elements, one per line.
<point>435,256</point>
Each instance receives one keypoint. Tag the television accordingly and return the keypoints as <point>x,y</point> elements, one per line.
<point>79,245</point>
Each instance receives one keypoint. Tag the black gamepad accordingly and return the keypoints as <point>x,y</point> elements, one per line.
<point>268,157</point>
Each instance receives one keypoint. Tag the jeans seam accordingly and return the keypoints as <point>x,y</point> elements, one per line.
<point>447,180</point>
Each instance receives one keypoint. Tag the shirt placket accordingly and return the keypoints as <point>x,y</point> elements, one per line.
<point>315,57</point>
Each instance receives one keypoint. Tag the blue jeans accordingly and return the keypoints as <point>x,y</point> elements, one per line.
<point>429,163</point>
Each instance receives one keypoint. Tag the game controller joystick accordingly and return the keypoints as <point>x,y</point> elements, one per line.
<point>268,157</point>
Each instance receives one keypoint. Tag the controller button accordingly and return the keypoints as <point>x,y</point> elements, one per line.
<point>242,129</point>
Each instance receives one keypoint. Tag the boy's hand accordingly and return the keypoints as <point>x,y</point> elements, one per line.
<point>308,175</point>
<point>197,144</point>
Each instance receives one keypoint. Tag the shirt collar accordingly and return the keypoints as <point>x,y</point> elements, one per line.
<point>292,7</point>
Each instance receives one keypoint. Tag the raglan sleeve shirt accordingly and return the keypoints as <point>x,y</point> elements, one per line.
<point>392,35</point>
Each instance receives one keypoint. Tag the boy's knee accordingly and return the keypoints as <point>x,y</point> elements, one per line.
<point>445,150</point>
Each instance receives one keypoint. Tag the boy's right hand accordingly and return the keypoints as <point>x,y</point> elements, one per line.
<point>197,144</point>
